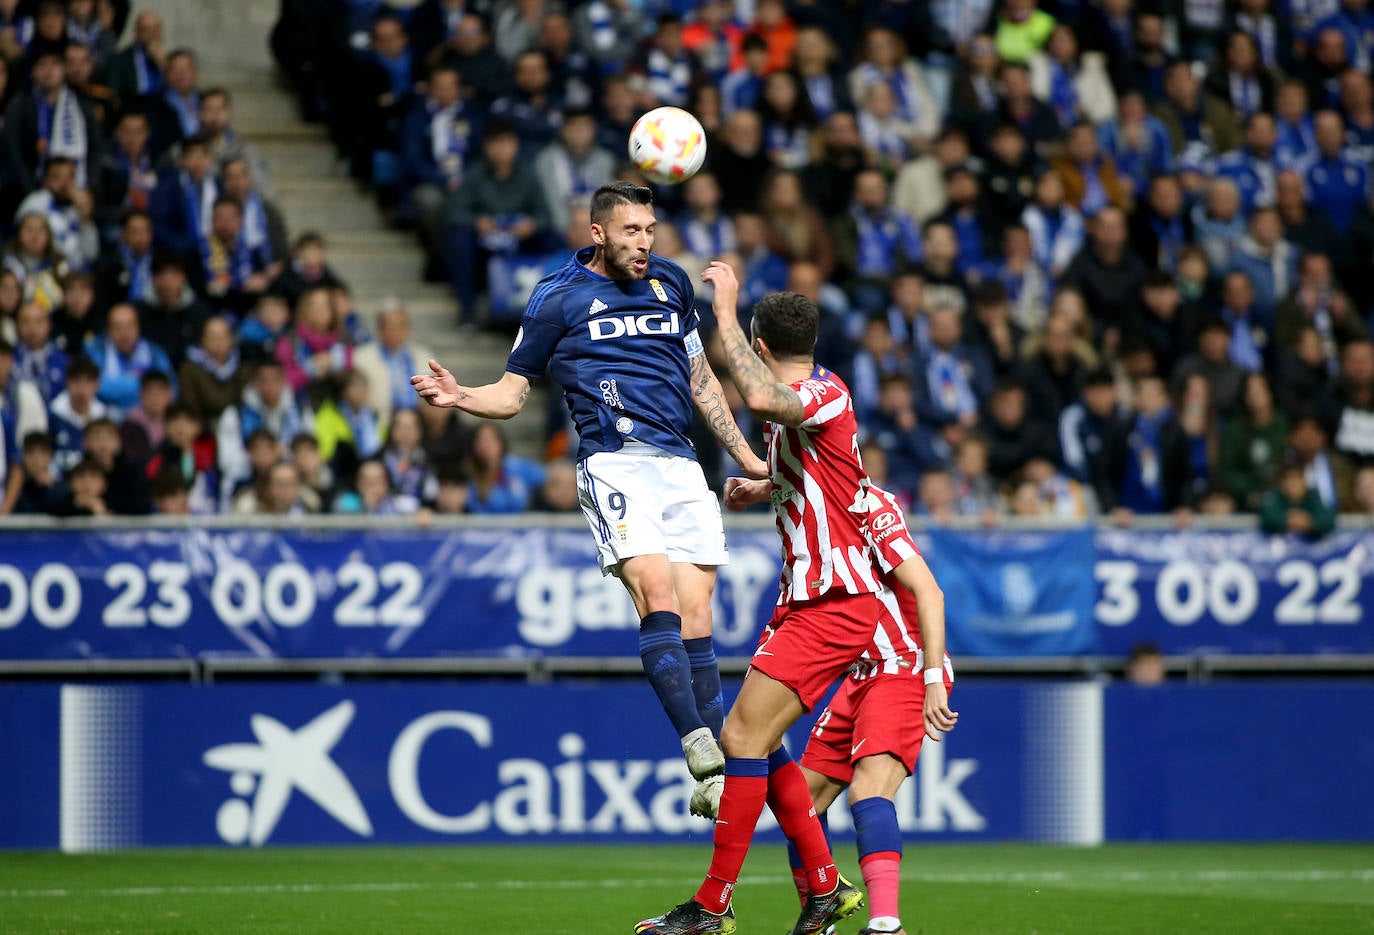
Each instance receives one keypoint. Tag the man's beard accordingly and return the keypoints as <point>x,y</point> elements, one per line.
<point>619,264</point>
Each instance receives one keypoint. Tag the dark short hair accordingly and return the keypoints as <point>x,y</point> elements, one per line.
<point>311,238</point>
<point>788,323</point>
<point>608,197</point>
<point>180,411</point>
<point>216,91</point>
<point>989,292</point>
<point>225,200</point>
<point>755,43</point>
<point>1159,279</point>
<point>259,435</point>
<point>36,440</point>
<point>1213,323</point>
<point>1098,376</point>
<point>498,128</point>
<point>199,140</point>
<point>164,262</point>
<point>451,474</point>
<point>1142,649</point>
<point>104,422</point>
<point>86,466</point>
<point>133,213</point>
<point>82,366</point>
<point>168,482</point>
<point>154,377</point>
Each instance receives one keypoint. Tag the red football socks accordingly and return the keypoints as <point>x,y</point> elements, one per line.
<point>741,804</point>
<point>790,800</point>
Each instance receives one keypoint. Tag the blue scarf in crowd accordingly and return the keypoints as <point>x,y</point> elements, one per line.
<point>949,385</point>
<point>1143,486</point>
<point>881,237</point>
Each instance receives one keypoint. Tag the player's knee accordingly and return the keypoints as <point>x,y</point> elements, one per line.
<point>696,620</point>
<point>739,739</point>
<point>658,597</point>
<point>652,592</point>
<point>876,777</point>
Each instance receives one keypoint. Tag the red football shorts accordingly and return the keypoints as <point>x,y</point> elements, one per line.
<point>882,714</point>
<point>806,646</point>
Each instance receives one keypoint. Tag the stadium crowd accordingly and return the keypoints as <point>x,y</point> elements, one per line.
<point>1077,258</point>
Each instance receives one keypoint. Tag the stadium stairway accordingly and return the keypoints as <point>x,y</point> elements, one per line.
<point>313,190</point>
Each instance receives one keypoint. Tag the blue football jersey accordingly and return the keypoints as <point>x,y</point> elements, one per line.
<point>620,350</point>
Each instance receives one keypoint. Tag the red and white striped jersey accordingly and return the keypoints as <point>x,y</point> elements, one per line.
<point>896,646</point>
<point>820,495</point>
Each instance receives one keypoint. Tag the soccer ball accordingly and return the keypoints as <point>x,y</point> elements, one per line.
<point>667,145</point>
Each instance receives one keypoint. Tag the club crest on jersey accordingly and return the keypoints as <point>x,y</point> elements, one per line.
<point>659,291</point>
<point>621,326</point>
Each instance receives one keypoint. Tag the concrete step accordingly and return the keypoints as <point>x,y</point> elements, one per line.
<point>353,241</point>
<point>322,186</point>
<point>306,210</point>
<point>430,308</point>
<point>301,158</point>
<point>392,268</point>
<point>261,133</point>
<point>261,105</point>
<point>261,78</point>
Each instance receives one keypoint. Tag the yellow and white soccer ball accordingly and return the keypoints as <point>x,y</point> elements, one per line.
<point>667,145</point>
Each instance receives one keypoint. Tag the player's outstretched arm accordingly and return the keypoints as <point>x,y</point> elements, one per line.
<point>499,400</point>
<point>915,576</point>
<point>765,396</point>
<point>740,494</point>
<point>710,402</point>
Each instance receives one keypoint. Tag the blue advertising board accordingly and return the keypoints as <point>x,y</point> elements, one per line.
<point>91,767</point>
<point>532,591</point>
<point>1015,593</point>
<point>1235,592</point>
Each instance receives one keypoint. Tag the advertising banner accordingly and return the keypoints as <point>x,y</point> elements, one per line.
<point>1015,593</point>
<point>534,592</point>
<point>92,767</point>
<point>1235,592</point>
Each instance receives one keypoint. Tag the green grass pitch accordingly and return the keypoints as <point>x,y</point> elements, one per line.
<point>512,890</point>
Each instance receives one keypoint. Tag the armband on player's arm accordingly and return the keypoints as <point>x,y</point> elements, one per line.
<point>934,676</point>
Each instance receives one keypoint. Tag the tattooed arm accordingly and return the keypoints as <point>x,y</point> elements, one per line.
<point>499,400</point>
<point>763,394</point>
<point>710,402</point>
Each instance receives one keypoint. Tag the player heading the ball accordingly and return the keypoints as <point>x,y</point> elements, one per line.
<point>616,328</point>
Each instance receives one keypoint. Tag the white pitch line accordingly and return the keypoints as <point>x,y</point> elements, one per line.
<point>1045,877</point>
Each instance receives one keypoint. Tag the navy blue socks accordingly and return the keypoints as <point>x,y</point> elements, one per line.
<point>706,682</point>
<point>667,667</point>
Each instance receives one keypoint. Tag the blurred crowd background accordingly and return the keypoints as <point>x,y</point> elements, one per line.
<point>1081,258</point>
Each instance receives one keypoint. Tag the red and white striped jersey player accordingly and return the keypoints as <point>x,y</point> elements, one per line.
<point>869,736</point>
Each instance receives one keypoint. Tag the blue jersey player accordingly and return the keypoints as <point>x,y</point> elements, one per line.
<point>617,330</point>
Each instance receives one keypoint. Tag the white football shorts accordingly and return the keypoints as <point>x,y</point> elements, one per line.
<point>643,501</point>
